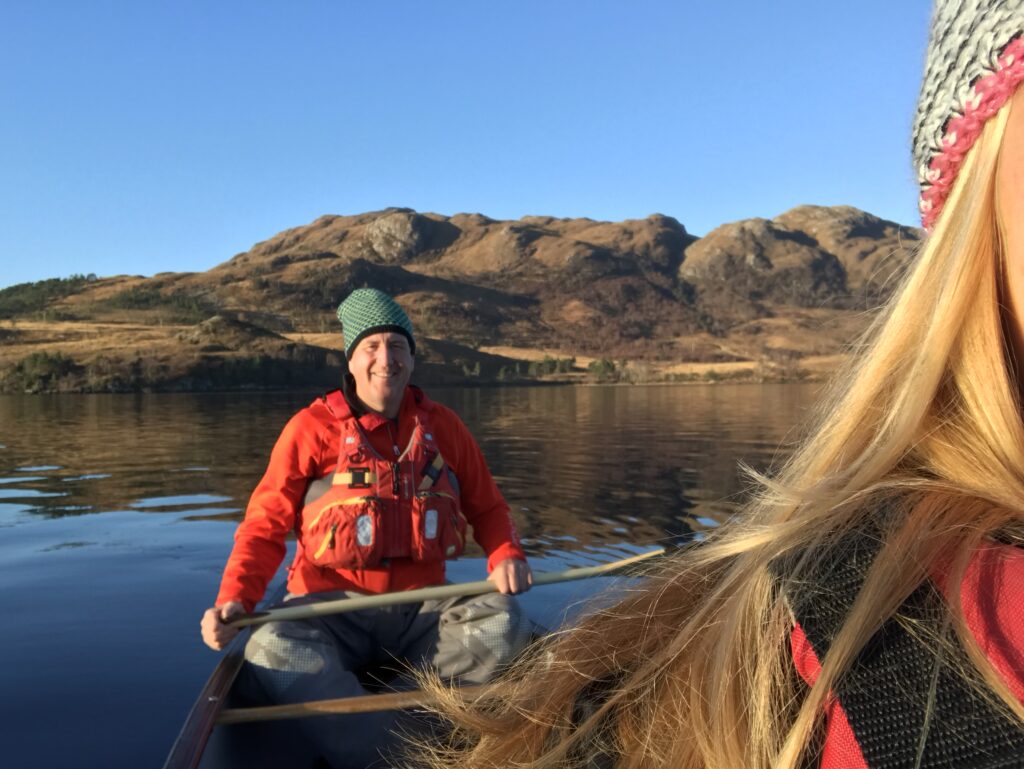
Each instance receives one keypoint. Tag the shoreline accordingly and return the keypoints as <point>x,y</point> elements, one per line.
<point>220,355</point>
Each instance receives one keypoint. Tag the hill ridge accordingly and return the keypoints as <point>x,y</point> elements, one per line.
<point>641,293</point>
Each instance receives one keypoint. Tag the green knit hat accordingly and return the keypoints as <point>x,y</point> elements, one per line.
<point>369,311</point>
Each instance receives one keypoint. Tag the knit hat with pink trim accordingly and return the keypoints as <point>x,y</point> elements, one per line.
<point>975,62</point>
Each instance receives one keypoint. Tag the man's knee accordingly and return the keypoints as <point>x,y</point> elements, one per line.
<point>284,660</point>
<point>294,647</point>
<point>481,635</point>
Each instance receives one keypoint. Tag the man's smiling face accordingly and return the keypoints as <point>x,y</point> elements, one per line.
<point>381,365</point>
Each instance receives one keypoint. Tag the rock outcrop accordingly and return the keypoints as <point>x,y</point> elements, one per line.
<point>810,256</point>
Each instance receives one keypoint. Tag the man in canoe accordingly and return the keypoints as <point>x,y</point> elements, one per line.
<point>378,483</point>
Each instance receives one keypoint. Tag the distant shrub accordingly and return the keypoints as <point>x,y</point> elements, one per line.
<point>114,375</point>
<point>179,306</point>
<point>138,298</point>
<point>637,373</point>
<point>603,370</point>
<point>25,298</point>
<point>551,365</point>
<point>39,372</point>
<point>689,376</point>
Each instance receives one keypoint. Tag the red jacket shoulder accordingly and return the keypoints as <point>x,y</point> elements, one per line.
<point>310,430</point>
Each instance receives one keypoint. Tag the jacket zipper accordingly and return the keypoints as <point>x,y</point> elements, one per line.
<point>327,543</point>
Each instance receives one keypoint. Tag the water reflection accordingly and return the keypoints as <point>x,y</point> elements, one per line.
<point>579,466</point>
<point>640,464</point>
<point>117,452</point>
<point>596,465</point>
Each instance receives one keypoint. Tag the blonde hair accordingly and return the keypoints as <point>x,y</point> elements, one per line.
<point>694,669</point>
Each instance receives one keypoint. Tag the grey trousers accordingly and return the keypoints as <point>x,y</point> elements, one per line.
<point>464,639</point>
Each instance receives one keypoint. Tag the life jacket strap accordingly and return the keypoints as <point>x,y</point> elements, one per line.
<point>355,478</point>
<point>431,472</point>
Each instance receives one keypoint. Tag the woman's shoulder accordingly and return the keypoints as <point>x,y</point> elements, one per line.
<point>993,580</point>
<point>992,596</point>
<point>996,558</point>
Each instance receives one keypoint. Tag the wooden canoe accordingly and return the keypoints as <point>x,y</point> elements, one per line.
<point>203,743</point>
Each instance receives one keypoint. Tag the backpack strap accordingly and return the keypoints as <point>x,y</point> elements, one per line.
<point>904,700</point>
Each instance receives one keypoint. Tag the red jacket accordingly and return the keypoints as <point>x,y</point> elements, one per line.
<point>308,449</point>
<point>992,594</point>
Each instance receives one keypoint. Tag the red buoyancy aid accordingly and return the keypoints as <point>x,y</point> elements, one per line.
<point>378,508</point>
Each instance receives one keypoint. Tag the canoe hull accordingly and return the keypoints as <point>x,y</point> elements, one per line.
<point>276,744</point>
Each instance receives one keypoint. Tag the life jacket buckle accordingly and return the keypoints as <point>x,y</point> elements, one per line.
<point>359,477</point>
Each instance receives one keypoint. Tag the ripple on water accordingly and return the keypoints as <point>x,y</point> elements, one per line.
<point>37,468</point>
<point>213,514</point>
<point>66,509</point>
<point>183,500</point>
<point>590,556</point>
<point>9,514</point>
<point>22,479</point>
<point>67,546</point>
<point>86,477</point>
<point>9,493</point>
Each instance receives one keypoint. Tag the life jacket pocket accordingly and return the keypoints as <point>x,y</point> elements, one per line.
<point>345,534</point>
<point>439,528</point>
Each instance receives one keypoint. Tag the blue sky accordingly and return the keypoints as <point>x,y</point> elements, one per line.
<point>139,137</point>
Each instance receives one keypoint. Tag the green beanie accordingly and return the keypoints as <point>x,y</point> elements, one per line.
<point>369,311</point>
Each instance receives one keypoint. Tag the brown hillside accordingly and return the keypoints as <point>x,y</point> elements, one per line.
<point>767,293</point>
<point>811,256</point>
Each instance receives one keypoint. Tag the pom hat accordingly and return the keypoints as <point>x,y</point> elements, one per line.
<point>975,62</point>
<point>369,311</point>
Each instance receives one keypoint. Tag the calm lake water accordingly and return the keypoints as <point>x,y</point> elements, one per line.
<point>117,512</point>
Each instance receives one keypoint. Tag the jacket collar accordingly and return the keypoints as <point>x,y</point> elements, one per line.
<point>412,400</point>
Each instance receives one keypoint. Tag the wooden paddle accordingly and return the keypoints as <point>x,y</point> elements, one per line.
<point>319,609</point>
<point>367,703</point>
<point>370,703</point>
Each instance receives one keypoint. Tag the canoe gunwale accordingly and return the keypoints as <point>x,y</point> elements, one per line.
<point>187,751</point>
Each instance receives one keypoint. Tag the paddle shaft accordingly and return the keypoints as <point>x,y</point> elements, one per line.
<point>367,703</point>
<point>321,608</point>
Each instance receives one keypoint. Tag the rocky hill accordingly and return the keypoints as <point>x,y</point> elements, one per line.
<point>491,301</point>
